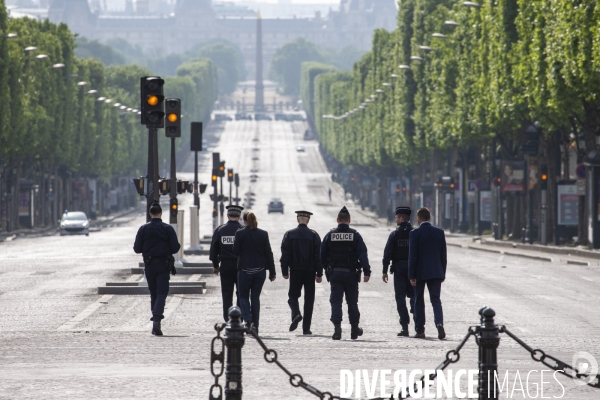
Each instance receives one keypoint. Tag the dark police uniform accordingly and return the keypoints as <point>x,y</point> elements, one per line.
<point>221,251</point>
<point>344,253</point>
<point>300,255</point>
<point>157,242</point>
<point>396,252</point>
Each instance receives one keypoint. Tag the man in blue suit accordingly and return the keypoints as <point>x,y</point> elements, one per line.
<point>427,266</point>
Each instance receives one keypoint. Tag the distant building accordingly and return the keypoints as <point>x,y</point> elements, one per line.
<point>196,21</point>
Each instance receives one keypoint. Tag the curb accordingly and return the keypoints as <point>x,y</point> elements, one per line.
<point>485,250</point>
<point>575,262</point>
<point>538,258</point>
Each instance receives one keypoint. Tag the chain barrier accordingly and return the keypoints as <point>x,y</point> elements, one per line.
<point>450,359</point>
<point>554,363</point>
<point>214,358</point>
<point>296,380</point>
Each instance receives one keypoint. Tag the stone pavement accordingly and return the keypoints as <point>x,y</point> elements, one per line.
<point>60,340</point>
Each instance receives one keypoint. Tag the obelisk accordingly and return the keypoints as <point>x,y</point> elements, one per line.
<point>259,99</point>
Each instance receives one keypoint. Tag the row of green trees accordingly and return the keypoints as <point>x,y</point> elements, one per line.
<point>49,120</point>
<point>502,66</point>
<point>465,78</point>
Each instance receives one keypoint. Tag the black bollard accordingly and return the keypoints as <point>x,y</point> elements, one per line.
<point>234,341</point>
<point>488,340</point>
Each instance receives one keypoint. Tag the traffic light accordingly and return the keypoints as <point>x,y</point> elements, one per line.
<point>213,179</point>
<point>164,186</point>
<point>236,179</point>
<point>139,185</point>
<point>544,177</point>
<point>222,169</point>
<point>202,187</point>
<point>446,183</point>
<point>497,181</point>
<point>173,118</point>
<point>173,207</point>
<point>182,186</point>
<point>230,175</point>
<point>152,101</point>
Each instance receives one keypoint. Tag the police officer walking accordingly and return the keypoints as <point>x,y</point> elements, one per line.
<point>344,254</point>
<point>157,242</point>
<point>301,264</point>
<point>396,251</point>
<point>223,259</point>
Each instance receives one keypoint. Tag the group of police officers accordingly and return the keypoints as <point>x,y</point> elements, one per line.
<point>342,256</point>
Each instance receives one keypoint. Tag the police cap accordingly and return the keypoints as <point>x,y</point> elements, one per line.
<point>234,211</point>
<point>403,210</point>
<point>303,214</point>
<point>344,212</point>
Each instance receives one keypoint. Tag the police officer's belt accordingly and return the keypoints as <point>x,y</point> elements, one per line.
<point>154,258</point>
<point>347,270</point>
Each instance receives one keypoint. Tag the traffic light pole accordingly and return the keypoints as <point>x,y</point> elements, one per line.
<point>153,193</point>
<point>173,191</point>
<point>221,203</point>
<point>230,184</point>
<point>196,192</point>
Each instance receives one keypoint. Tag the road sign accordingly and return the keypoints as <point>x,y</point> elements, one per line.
<point>479,184</point>
<point>580,171</point>
<point>471,186</point>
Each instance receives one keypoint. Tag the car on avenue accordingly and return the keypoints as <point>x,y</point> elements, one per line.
<point>300,149</point>
<point>74,223</point>
<point>275,205</point>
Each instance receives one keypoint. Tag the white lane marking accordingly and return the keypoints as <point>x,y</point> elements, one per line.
<point>85,313</point>
<point>587,279</point>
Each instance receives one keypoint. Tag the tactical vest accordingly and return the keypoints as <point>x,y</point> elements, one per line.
<point>226,238</point>
<point>343,248</point>
<point>401,236</point>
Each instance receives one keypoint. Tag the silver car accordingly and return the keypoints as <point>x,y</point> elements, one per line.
<point>275,205</point>
<point>74,223</point>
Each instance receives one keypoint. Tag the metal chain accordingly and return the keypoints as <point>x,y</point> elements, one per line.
<point>452,357</point>
<point>214,358</point>
<point>554,363</point>
<point>296,380</point>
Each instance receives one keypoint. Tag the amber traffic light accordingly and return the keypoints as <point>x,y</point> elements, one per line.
<point>230,175</point>
<point>152,107</point>
<point>173,120</point>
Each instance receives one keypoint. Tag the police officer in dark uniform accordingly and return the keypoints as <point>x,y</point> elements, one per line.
<point>221,251</point>
<point>344,254</point>
<point>301,258</point>
<point>396,251</point>
<point>157,242</point>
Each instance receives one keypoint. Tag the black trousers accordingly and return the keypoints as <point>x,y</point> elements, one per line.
<point>228,273</point>
<point>344,284</point>
<point>157,275</point>
<point>298,279</point>
<point>403,289</point>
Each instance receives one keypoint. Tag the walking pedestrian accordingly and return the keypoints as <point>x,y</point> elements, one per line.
<point>254,253</point>
<point>427,267</point>
<point>157,242</point>
<point>224,260</point>
<point>396,252</point>
<point>301,264</point>
<point>329,193</point>
<point>344,254</point>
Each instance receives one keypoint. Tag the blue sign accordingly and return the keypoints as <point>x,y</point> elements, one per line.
<point>479,184</point>
<point>472,186</point>
<point>580,171</point>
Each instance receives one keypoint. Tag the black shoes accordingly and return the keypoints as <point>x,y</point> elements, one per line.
<point>441,331</point>
<point>337,334</point>
<point>404,331</point>
<point>156,328</point>
<point>420,336</point>
<point>295,322</point>
<point>307,332</point>
<point>355,332</point>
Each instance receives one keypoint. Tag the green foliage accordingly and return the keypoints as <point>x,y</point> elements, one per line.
<point>507,64</point>
<point>94,49</point>
<point>225,57</point>
<point>287,62</point>
<point>47,121</point>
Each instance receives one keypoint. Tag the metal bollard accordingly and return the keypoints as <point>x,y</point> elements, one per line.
<point>234,341</point>
<point>488,340</point>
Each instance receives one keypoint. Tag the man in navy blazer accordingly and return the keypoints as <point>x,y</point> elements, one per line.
<point>427,266</point>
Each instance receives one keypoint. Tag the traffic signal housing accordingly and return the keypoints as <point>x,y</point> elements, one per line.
<point>236,179</point>
<point>173,207</point>
<point>221,169</point>
<point>446,183</point>
<point>202,187</point>
<point>152,101</point>
<point>213,178</point>
<point>182,187</point>
<point>173,118</point>
<point>544,177</point>
<point>164,186</point>
<point>230,175</point>
<point>139,185</point>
